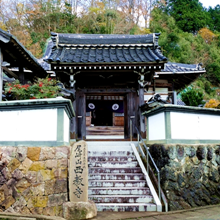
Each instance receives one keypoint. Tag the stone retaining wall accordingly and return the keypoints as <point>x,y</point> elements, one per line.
<point>34,180</point>
<point>189,174</point>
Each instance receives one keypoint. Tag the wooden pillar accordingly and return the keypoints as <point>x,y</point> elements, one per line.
<point>142,127</point>
<point>73,133</point>
<point>21,75</point>
<point>81,115</point>
<point>130,115</point>
<point>1,75</point>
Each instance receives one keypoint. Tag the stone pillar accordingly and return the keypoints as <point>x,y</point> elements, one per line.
<point>78,173</point>
<point>79,207</point>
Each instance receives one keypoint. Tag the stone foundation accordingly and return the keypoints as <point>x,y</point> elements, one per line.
<point>189,174</point>
<point>34,180</point>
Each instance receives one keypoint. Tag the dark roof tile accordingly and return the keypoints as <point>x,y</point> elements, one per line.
<point>93,48</point>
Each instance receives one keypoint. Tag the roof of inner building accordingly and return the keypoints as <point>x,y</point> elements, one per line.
<point>96,48</point>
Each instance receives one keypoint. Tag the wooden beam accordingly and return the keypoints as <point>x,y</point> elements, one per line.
<point>1,75</point>
<point>163,85</point>
<point>103,90</point>
<point>10,72</point>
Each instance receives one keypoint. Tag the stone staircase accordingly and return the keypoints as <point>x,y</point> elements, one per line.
<point>116,181</point>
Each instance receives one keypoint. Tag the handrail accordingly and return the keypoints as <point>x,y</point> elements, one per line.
<point>152,160</point>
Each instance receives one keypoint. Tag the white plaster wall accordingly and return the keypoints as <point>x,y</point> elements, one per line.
<point>66,129</point>
<point>157,127</point>
<point>28,125</point>
<point>162,91</point>
<point>194,126</point>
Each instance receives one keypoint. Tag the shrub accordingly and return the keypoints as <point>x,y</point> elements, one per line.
<point>41,88</point>
<point>192,97</point>
<point>213,103</point>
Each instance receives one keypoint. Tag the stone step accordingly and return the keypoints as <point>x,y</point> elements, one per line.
<point>119,191</point>
<point>126,207</point>
<point>127,176</point>
<point>121,198</point>
<point>113,164</point>
<point>114,170</point>
<point>110,153</point>
<point>111,158</point>
<point>117,183</point>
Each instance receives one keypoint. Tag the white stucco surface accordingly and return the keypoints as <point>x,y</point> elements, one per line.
<point>157,127</point>
<point>66,129</point>
<point>194,126</point>
<point>28,125</point>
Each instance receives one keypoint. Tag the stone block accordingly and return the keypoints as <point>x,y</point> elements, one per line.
<point>8,152</point>
<point>171,151</point>
<point>22,185</point>
<point>50,164</point>
<point>39,201</point>
<point>180,152</point>
<point>57,199</point>
<point>25,210</point>
<point>26,164</point>
<point>49,187</point>
<point>60,186</point>
<point>17,174</point>
<point>47,153</point>
<point>13,164</point>
<point>2,196</point>
<point>31,176</point>
<point>40,178</point>
<point>36,210</point>
<point>201,152</point>
<point>195,160</point>
<point>19,204</point>
<point>62,163</point>
<point>37,189</point>
<point>37,166</point>
<point>62,152</point>
<point>8,202</point>
<point>79,210</point>
<point>11,183</point>
<point>60,173</point>
<point>21,153</point>
<point>47,174</point>
<point>33,153</point>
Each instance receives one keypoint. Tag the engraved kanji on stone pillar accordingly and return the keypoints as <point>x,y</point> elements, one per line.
<point>78,173</point>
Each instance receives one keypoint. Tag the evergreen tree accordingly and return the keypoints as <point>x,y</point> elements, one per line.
<point>190,16</point>
<point>214,21</point>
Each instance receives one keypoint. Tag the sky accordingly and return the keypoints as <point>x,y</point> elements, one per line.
<point>211,3</point>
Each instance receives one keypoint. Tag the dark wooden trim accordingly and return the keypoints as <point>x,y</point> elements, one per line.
<point>10,72</point>
<point>107,91</point>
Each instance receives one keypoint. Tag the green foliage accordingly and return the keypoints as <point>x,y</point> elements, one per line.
<point>192,97</point>
<point>41,88</point>
<point>190,16</point>
<point>214,18</point>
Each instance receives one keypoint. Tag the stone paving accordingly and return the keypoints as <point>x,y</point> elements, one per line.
<point>201,213</point>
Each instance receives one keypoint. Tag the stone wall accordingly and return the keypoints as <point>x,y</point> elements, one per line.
<point>189,174</point>
<point>33,180</point>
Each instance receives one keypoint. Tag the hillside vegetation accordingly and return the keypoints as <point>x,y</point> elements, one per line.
<point>190,33</point>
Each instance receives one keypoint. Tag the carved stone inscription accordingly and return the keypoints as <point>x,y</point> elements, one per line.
<point>78,173</point>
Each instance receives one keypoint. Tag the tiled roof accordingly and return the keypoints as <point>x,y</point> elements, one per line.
<point>15,53</point>
<point>96,48</point>
<point>182,68</point>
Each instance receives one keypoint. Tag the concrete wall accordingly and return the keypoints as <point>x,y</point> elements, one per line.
<point>34,180</point>
<point>39,122</point>
<point>190,174</point>
<point>194,126</point>
<point>23,125</point>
